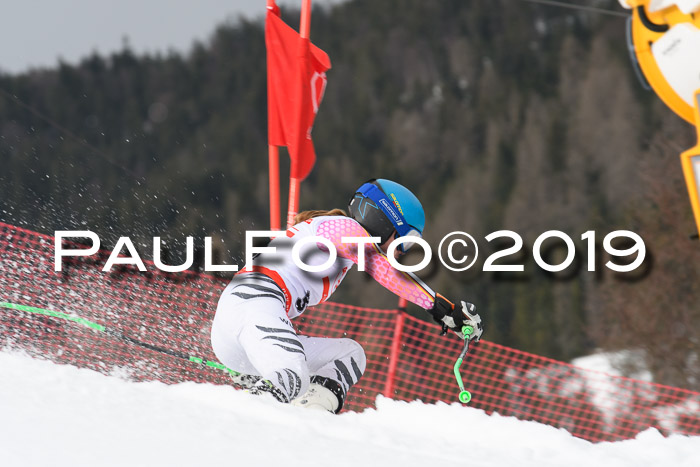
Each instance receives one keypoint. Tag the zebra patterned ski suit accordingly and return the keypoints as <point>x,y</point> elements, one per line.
<point>252,332</point>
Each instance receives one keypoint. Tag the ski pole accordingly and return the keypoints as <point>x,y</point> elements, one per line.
<point>464,395</point>
<point>118,335</point>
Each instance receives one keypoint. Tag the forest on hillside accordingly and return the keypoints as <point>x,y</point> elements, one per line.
<point>497,114</point>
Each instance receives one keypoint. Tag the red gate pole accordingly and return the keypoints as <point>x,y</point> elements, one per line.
<point>294,183</point>
<point>293,209</point>
<point>305,22</point>
<point>274,174</point>
<point>395,349</point>
<point>274,163</point>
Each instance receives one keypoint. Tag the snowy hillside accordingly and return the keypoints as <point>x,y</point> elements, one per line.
<point>63,416</point>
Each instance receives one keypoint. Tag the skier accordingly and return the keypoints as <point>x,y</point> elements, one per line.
<point>252,333</point>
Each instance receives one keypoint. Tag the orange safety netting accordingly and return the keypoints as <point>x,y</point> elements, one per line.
<point>153,322</point>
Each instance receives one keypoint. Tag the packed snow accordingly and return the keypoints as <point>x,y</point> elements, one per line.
<point>60,415</point>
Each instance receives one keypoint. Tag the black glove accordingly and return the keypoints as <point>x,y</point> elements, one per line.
<point>454,318</point>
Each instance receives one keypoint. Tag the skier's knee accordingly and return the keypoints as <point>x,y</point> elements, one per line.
<point>356,354</point>
<point>350,363</point>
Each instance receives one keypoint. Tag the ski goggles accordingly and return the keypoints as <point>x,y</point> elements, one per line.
<point>403,229</point>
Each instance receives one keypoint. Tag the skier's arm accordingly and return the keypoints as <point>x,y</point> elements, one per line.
<point>403,284</point>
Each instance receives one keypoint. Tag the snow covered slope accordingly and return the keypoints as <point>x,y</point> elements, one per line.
<point>63,416</point>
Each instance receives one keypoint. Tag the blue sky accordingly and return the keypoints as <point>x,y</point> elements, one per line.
<point>35,33</point>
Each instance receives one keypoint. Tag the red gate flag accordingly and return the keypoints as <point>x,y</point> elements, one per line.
<point>296,80</point>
